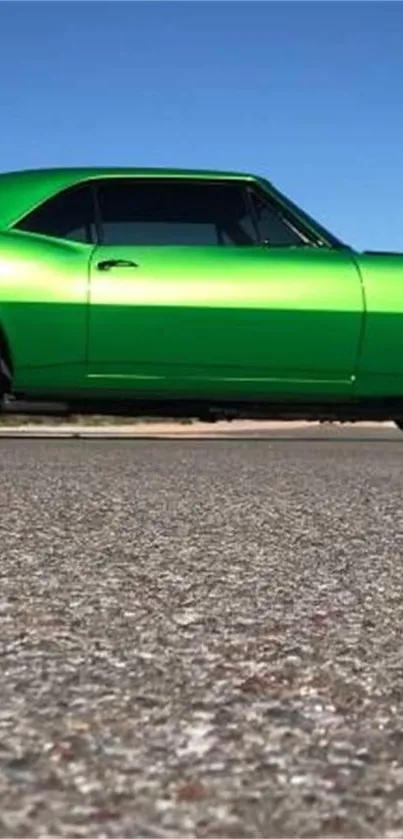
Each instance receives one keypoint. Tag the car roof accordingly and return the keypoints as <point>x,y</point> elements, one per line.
<point>23,190</point>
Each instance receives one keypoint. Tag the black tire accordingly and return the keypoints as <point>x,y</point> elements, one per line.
<point>5,376</point>
<point>399,423</point>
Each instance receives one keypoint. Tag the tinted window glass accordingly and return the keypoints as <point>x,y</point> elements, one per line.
<point>274,228</point>
<point>175,213</point>
<point>68,215</point>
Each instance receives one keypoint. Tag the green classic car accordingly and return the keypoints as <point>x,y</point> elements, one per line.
<point>190,293</point>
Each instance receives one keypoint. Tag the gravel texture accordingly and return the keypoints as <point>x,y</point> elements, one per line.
<point>202,638</point>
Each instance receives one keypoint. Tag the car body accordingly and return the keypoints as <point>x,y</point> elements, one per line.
<point>190,293</point>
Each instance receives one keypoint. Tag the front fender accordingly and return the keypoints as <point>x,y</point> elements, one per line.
<point>380,367</point>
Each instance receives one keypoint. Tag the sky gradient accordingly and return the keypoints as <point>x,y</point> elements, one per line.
<point>308,94</point>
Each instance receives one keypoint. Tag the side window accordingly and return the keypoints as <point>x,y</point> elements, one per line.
<point>274,229</point>
<point>135,212</point>
<point>68,215</point>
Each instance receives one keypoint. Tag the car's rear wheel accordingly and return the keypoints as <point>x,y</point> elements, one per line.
<point>399,423</point>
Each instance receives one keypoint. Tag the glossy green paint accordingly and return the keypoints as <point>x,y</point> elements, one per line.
<point>380,367</point>
<point>44,292</point>
<point>233,319</point>
<point>208,322</point>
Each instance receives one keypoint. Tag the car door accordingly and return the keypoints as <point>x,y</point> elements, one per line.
<point>186,297</point>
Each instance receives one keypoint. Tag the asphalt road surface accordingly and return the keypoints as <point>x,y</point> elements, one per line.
<point>202,638</point>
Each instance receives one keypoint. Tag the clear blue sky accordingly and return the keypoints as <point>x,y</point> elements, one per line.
<point>308,94</point>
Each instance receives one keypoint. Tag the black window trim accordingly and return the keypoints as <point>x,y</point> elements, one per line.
<point>251,208</point>
<point>97,212</point>
<point>102,180</point>
<point>251,187</point>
